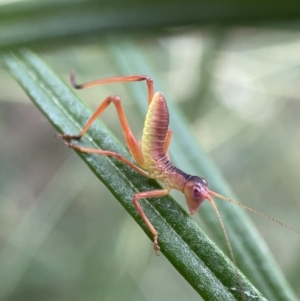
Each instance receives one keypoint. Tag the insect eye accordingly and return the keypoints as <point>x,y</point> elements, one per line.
<point>196,192</point>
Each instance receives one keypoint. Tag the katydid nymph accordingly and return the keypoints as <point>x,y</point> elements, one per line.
<point>151,156</point>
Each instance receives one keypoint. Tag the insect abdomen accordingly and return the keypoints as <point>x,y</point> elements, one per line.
<point>155,132</point>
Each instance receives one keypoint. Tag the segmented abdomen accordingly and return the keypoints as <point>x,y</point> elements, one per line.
<point>154,135</point>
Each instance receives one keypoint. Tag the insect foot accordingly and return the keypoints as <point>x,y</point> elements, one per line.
<point>156,246</point>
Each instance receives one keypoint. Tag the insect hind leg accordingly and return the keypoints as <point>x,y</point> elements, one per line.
<point>131,141</point>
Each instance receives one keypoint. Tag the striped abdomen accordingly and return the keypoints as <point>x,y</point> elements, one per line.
<point>155,133</point>
<point>153,141</point>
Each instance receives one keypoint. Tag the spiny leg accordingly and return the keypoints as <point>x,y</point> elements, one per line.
<point>131,141</point>
<point>149,194</point>
<point>116,79</point>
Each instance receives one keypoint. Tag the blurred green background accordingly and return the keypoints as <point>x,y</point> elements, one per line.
<point>62,234</point>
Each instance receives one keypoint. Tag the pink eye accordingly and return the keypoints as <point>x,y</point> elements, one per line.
<point>196,192</point>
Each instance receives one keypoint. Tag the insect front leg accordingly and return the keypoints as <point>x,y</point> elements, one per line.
<point>149,194</point>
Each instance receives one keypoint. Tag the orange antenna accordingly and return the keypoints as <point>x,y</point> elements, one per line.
<point>219,196</point>
<point>228,245</point>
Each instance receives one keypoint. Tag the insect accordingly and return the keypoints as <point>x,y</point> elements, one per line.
<point>151,155</point>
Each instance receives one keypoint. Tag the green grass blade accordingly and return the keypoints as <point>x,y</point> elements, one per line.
<point>199,261</point>
<point>251,252</point>
<point>43,23</point>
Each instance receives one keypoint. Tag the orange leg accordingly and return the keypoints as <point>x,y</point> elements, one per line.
<point>107,153</point>
<point>132,143</point>
<point>149,194</point>
<point>117,79</point>
<point>138,196</point>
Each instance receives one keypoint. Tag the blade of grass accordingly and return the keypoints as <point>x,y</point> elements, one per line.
<point>199,261</point>
<point>43,23</point>
<point>250,250</point>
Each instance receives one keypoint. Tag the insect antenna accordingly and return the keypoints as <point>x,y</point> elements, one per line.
<point>214,194</point>
<point>227,242</point>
